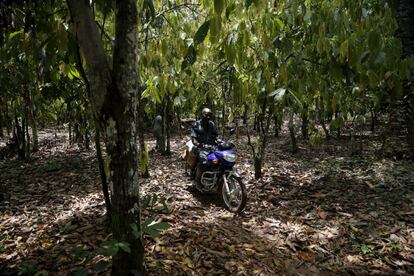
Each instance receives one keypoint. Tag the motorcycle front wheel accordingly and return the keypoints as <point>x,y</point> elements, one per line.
<point>236,197</point>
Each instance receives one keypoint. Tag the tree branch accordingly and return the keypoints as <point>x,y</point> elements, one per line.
<point>87,35</point>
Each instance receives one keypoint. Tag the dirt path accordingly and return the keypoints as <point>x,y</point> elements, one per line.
<point>310,214</point>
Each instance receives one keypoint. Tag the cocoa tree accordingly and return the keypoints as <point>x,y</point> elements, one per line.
<point>113,97</point>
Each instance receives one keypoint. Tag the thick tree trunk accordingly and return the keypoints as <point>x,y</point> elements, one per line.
<point>125,198</point>
<point>405,18</point>
<point>114,104</point>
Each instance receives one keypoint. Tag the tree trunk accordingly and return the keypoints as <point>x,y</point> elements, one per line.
<point>179,123</point>
<point>292,133</point>
<point>8,120</point>
<point>86,139</point>
<point>245,114</point>
<point>143,160</point>
<point>305,122</point>
<point>113,96</point>
<point>102,174</point>
<point>373,120</point>
<point>259,150</point>
<point>257,166</point>
<point>168,125</point>
<point>19,137</point>
<point>26,119</point>
<point>405,18</point>
<point>33,124</point>
<point>322,118</point>
<point>1,124</point>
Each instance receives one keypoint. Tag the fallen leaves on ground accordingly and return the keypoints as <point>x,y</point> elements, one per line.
<point>311,213</point>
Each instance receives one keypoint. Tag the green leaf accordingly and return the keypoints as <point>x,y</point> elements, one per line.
<point>135,229</point>
<point>159,226</point>
<point>248,3</point>
<point>149,7</point>
<point>148,221</point>
<point>219,6</point>
<point>374,40</point>
<point>215,27</point>
<point>124,246</point>
<point>201,33</point>
<point>190,58</point>
<point>81,272</point>
<point>278,94</point>
<point>230,9</point>
<point>279,24</point>
<point>344,49</point>
<point>152,232</point>
<point>15,33</point>
<point>100,266</point>
<point>108,248</point>
<point>179,100</point>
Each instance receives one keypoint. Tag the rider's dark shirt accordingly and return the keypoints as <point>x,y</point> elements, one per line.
<point>203,135</point>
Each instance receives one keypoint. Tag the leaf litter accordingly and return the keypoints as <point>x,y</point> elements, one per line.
<point>311,213</point>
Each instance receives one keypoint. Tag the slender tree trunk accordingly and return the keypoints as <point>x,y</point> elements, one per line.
<point>17,132</point>
<point>33,124</point>
<point>373,120</point>
<point>19,137</point>
<point>292,132</point>
<point>245,114</point>
<point>1,124</point>
<point>143,162</point>
<point>114,96</point>
<point>322,118</point>
<point>26,119</point>
<point>179,123</point>
<point>305,122</point>
<point>405,18</point>
<point>259,150</point>
<point>101,166</point>
<point>168,125</point>
<point>257,166</point>
<point>9,120</point>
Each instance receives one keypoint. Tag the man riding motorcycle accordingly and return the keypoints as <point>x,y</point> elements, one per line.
<point>203,133</point>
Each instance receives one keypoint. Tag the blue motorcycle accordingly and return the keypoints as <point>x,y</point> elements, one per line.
<point>219,176</point>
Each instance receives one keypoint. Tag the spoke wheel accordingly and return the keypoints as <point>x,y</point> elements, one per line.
<point>235,199</point>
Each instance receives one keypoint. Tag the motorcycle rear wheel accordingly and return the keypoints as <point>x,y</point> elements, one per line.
<point>234,201</point>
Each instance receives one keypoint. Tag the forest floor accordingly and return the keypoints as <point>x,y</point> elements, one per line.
<point>317,212</point>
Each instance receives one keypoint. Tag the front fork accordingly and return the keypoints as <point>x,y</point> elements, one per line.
<point>225,184</point>
<point>226,175</point>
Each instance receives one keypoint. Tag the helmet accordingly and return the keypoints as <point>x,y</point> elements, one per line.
<point>206,113</point>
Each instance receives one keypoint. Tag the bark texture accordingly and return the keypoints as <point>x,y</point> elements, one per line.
<point>113,95</point>
<point>405,18</point>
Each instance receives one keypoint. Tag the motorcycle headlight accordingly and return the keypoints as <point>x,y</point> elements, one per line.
<point>229,157</point>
